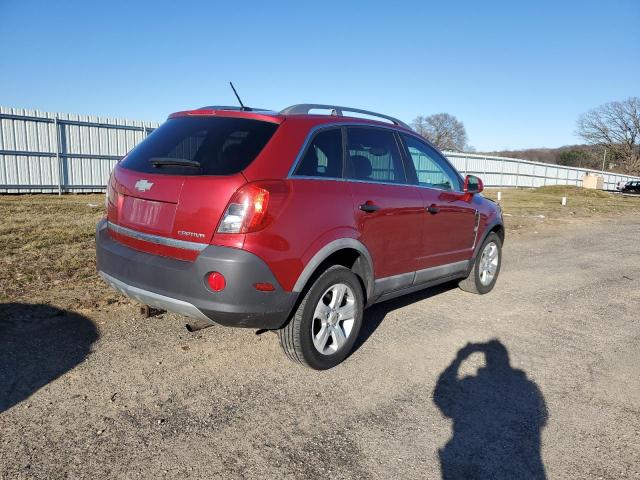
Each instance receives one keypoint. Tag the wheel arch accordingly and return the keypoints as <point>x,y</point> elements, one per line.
<point>496,227</point>
<point>347,252</point>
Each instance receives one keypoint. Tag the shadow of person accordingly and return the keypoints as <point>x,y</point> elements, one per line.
<point>498,416</point>
<point>38,343</point>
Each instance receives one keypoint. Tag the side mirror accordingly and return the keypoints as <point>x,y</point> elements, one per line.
<point>472,184</point>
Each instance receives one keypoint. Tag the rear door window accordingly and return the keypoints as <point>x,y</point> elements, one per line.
<point>373,155</point>
<point>201,146</point>
<point>323,156</point>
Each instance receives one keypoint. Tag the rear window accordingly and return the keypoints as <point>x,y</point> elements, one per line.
<point>201,146</point>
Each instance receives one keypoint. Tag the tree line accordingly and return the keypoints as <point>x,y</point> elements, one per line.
<point>611,133</point>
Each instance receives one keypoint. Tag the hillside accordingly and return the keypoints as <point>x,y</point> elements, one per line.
<point>586,156</point>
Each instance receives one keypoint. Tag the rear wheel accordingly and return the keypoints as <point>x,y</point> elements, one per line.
<point>486,267</point>
<point>326,324</point>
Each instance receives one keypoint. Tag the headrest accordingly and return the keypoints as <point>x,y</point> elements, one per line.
<point>362,168</point>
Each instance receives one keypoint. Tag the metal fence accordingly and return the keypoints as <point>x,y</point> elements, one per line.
<point>513,172</point>
<point>56,153</point>
<point>49,152</point>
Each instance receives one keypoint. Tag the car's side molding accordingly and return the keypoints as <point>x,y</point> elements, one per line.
<point>381,287</point>
<point>387,285</point>
<point>330,248</point>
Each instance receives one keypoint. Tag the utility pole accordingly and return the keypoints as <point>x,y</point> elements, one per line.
<point>604,158</point>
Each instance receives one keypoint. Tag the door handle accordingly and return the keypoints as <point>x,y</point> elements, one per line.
<point>369,207</point>
<point>432,209</point>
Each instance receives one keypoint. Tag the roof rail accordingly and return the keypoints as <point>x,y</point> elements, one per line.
<point>304,108</point>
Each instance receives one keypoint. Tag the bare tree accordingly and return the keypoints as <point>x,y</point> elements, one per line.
<point>616,127</point>
<point>443,130</point>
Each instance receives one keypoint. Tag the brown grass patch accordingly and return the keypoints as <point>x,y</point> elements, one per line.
<point>523,207</point>
<point>47,249</point>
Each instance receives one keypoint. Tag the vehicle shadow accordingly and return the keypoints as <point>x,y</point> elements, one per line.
<point>374,315</point>
<point>498,415</point>
<point>38,343</point>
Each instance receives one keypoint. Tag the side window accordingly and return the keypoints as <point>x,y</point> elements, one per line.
<point>323,157</point>
<point>372,154</point>
<point>432,171</point>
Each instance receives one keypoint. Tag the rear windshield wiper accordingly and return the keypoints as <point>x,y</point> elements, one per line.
<point>171,162</point>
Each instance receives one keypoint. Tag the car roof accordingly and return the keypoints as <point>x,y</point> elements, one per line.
<point>291,114</point>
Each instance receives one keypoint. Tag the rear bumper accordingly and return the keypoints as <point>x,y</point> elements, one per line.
<point>179,286</point>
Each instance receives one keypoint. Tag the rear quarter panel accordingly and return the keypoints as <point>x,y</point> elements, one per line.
<point>317,212</point>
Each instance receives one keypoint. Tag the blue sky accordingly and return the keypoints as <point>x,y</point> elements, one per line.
<point>517,74</point>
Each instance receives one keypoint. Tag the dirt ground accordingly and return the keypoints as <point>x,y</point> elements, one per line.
<point>549,385</point>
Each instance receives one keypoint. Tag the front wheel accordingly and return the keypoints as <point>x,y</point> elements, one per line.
<point>326,324</point>
<point>486,267</point>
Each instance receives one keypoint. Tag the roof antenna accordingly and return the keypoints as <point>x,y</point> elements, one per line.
<point>238,97</point>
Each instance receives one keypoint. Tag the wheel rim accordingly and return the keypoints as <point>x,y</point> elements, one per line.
<point>489,261</point>
<point>333,319</point>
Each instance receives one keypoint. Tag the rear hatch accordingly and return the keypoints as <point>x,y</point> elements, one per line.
<point>176,184</point>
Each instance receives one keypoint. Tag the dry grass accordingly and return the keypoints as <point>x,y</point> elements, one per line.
<point>47,251</point>
<point>523,207</point>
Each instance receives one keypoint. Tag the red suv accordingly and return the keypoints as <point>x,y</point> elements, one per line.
<point>292,221</point>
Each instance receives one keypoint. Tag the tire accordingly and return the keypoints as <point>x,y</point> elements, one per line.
<point>316,336</point>
<point>478,281</point>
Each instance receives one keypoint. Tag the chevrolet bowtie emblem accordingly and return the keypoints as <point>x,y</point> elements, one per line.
<point>143,185</point>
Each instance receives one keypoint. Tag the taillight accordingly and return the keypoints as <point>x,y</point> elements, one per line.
<point>253,206</point>
<point>111,196</point>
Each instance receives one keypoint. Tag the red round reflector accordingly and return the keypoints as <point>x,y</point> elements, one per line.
<point>216,281</point>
